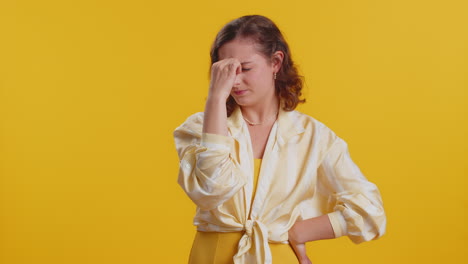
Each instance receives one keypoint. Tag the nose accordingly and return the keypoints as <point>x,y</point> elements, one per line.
<point>237,80</point>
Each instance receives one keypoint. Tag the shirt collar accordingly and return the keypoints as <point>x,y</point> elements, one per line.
<point>288,124</point>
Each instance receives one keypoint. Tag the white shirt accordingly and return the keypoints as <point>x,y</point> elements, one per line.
<point>306,172</point>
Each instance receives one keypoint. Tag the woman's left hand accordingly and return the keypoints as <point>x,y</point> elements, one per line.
<point>298,247</point>
<point>307,230</point>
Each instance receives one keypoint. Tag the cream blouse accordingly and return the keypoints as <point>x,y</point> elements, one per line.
<point>306,172</point>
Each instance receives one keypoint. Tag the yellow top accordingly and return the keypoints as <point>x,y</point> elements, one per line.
<point>257,164</point>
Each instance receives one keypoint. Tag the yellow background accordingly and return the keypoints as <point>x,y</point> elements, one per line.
<point>91,91</point>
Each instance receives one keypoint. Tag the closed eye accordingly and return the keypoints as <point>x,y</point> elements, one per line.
<point>245,69</point>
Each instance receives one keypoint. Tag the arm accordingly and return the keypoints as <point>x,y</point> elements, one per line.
<point>311,229</point>
<point>356,206</point>
<point>223,75</point>
<point>208,173</point>
<point>215,118</point>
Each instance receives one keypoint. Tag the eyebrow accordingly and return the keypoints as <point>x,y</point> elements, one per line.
<point>245,62</point>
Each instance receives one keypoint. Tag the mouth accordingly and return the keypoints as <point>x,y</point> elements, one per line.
<point>240,92</point>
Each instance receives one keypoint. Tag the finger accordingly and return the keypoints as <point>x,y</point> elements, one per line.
<point>235,65</point>
<point>298,250</point>
<point>226,67</point>
<point>238,68</point>
<point>221,70</point>
<point>302,250</point>
<point>221,64</point>
<point>234,69</point>
<point>229,64</point>
<point>226,70</point>
<point>217,67</point>
<point>301,253</point>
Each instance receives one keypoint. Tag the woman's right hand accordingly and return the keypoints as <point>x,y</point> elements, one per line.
<point>223,77</point>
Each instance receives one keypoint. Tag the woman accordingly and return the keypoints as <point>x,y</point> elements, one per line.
<point>266,178</point>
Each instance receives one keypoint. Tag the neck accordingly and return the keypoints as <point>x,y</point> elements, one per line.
<point>260,112</point>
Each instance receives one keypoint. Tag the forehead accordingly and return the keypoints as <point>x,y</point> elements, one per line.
<point>241,49</point>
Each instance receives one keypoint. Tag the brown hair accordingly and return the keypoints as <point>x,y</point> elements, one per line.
<point>265,33</point>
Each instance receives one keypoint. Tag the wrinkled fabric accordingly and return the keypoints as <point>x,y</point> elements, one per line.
<point>306,172</point>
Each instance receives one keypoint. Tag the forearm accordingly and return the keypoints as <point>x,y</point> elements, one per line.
<point>312,229</point>
<point>215,118</point>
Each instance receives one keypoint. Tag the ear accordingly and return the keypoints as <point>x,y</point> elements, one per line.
<point>277,60</point>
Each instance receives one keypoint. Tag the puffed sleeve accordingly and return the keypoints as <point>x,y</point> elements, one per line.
<point>208,173</point>
<point>355,205</point>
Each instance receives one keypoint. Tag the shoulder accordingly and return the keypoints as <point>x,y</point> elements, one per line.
<point>194,119</point>
<point>310,123</point>
<point>314,127</point>
<point>193,125</point>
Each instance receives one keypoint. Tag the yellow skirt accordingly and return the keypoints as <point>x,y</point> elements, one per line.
<point>220,248</point>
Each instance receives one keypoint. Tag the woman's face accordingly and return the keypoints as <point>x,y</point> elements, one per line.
<point>255,82</point>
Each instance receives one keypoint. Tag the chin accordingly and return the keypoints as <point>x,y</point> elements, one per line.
<point>243,102</point>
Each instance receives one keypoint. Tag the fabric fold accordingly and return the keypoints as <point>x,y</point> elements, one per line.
<point>253,246</point>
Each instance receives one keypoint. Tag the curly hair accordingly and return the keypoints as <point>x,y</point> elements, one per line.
<point>264,32</point>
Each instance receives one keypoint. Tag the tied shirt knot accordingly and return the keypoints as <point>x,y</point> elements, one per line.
<point>253,245</point>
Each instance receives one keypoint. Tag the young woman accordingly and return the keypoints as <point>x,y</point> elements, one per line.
<point>266,178</point>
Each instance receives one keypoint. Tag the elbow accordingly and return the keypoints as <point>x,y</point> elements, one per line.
<point>209,182</point>
<point>363,220</point>
<point>209,194</point>
<point>366,227</point>
<point>200,197</point>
